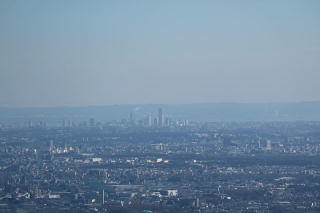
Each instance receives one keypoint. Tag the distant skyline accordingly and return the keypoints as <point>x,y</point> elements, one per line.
<point>80,53</point>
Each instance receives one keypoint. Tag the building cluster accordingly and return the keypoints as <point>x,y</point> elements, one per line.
<point>209,167</point>
<point>157,120</point>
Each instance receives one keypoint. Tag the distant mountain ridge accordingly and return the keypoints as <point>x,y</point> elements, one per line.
<point>299,111</point>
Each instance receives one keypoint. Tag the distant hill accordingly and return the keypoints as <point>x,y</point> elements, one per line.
<point>300,111</point>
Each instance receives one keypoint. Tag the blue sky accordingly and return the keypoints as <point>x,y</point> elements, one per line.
<point>70,53</point>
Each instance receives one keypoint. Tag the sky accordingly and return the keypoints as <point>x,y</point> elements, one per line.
<point>80,53</point>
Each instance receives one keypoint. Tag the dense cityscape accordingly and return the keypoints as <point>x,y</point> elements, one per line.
<point>160,165</point>
<point>159,106</point>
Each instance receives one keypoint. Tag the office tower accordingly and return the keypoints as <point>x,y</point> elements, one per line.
<point>268,146</point>
<point>132,118</point>
<point>150,120</point>
<point>51,146</point>
<point>155,122</point>
<point>160,118</point>
<point>51,149</point>
<point>167,122</point>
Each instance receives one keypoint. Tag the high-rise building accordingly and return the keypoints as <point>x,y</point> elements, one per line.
<point>167,122</point>
<point>51,148</point>
<point>132,118</point>
<point>155,122</point>
<point>259,143</point>
<point>268,146</point>
<point>150,120</point>
<point>160,118</point>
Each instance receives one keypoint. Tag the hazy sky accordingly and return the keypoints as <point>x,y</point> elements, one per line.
<point>70,53</point>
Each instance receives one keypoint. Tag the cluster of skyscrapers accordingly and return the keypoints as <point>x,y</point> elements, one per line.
<point>145,119</point>
<point>158,121</point>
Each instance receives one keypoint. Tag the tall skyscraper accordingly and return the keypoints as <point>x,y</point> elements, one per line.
<point>150,120</point>
<point>167,124</point>
<point>155,122</point>
<point>51,149</point>
<point>160,118</point>
<point>132,118</point>
<point>269,145</point>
